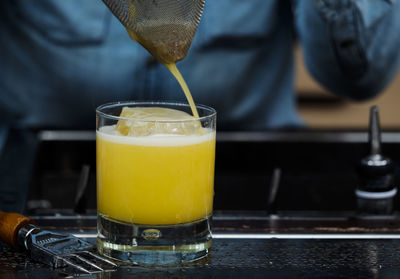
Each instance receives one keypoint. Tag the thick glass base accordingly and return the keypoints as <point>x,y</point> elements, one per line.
<point>149,245</point>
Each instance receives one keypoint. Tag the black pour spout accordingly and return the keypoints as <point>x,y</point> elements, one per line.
<point>375,190</point>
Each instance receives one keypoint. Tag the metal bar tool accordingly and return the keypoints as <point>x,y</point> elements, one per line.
<point>56,250</point>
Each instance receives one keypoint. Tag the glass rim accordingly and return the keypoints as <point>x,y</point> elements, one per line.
<point>99,111</point>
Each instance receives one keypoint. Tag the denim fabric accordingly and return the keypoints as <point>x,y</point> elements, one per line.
<point>350,46</point>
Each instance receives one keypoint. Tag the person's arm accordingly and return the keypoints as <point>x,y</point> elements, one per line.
<point>352,47</point>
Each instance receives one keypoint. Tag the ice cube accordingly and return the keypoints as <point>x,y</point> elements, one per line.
<point>148,121</point>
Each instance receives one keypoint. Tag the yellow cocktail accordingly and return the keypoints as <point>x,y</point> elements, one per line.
<point>157,180</point>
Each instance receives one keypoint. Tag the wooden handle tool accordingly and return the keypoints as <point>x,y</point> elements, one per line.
<point>10,224</point>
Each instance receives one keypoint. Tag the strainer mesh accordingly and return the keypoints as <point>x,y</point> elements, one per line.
<point>164,27</point>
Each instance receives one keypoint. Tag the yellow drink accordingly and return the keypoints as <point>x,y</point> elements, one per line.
<point>155,180</point>
<point>175,72</point>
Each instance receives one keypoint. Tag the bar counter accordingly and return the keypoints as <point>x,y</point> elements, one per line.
<point>252,245</point>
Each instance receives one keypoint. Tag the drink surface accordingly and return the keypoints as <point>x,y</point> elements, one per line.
<point>159,179</point>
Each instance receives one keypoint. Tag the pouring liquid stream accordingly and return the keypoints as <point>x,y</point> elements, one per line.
<point>166,59</point>
<point>177,74</point>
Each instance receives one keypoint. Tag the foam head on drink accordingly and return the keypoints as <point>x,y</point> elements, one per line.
<point>153,169</point>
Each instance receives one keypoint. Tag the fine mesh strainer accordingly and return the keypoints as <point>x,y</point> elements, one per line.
<point>164,27</point>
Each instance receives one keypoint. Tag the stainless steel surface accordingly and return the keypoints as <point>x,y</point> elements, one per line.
<point>267,136</point>
<point>283,236</point>
<point>66,135</point>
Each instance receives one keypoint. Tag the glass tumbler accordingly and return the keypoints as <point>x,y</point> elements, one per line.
<point>155,182</point>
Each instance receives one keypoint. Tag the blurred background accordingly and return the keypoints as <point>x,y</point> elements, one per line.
<point>321,109</point>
